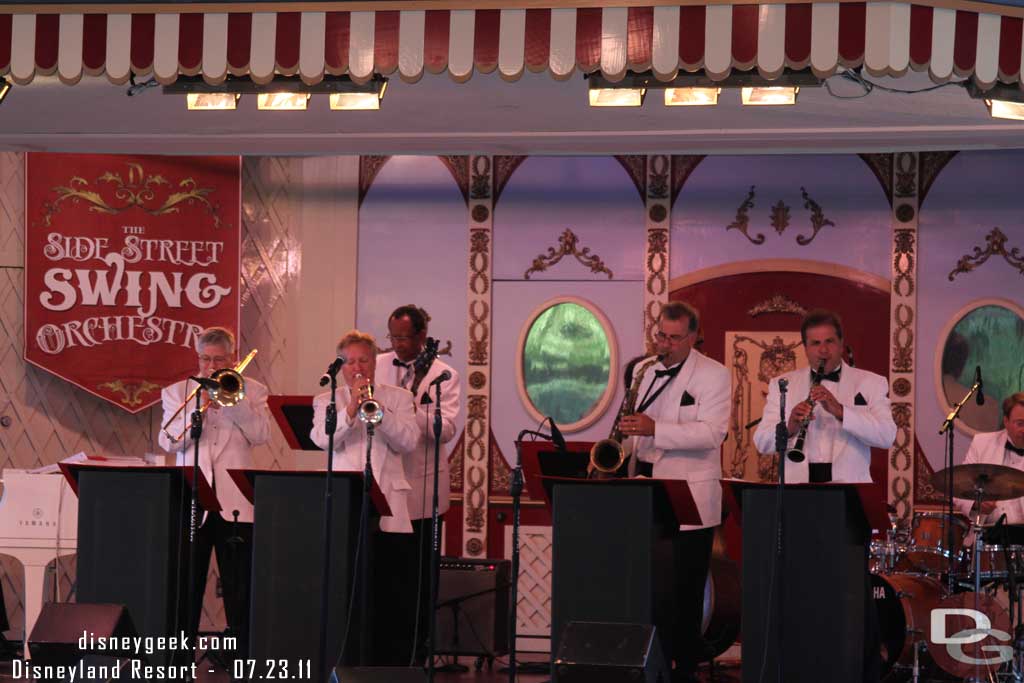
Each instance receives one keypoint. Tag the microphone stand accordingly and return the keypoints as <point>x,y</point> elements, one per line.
<point>435,538</point>
<point>195,432</point>
<point>947,429</point>
<point>363,569</point>
<point>781,441</point>
<point>516,490</point>
<point>330,426</point>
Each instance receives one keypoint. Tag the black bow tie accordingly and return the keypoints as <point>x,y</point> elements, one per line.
<point>825,376</point>
<point>399,364</point>
<point>671,372</point>
<point>1013,449</point>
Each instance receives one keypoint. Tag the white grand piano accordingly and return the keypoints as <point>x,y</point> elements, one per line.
<point>38,523</point>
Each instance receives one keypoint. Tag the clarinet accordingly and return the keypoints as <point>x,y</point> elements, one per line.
<point>796,453</point>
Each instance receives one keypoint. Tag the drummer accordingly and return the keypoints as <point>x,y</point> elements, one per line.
<point>1005,447</point>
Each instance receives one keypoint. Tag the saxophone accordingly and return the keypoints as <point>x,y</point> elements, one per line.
<point>607,456</point>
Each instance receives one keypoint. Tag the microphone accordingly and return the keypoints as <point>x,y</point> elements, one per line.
<point>206,382</point>
<point>556,435</point>
<point>980,396</point>
<point>443,377</point>
<point>332,369</point>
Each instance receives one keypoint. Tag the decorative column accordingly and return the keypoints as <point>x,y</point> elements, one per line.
<point>658,209</point>
<point>478,390</point>
<point>903,307</point>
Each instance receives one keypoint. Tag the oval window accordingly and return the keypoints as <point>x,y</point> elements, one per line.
<point>987,334</point>
<point>566,355</point>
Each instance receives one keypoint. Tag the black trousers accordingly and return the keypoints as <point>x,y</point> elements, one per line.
<point>692,555</point>
<point>401,599</point>
<point>233,545</point>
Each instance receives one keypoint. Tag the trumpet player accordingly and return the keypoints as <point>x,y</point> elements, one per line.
<point>677,432</point>
<point>845,410</point>
<point>393,436</point>
<point>228,437</point>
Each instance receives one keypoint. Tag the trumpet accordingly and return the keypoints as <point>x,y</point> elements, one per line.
<point>370,411</point>
<point>608,455</point>
<point>796,453</point>
<point>229,392</point>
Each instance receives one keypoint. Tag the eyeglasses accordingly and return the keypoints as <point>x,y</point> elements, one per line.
<point>399,339</point>
<point>213,359</point>
<point>673,338</point>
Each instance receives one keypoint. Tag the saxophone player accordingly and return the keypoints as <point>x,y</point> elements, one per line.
<point>681,418</point>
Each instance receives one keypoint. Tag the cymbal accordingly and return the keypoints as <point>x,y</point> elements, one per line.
<point>997,482</point>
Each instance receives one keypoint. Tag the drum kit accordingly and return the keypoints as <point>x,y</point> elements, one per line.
<point>962,567</point>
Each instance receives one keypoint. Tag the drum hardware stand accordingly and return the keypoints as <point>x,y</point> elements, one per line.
<point>947,429</point>
<point>916,676</point>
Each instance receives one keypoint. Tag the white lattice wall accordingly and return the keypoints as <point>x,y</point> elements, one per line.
<point>533,607</point>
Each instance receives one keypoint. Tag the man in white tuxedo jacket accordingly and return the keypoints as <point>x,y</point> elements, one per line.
<point>681,418</point>
<point>394,436</point>
<point>847,413</point>
<point>1005,447</point>
<point>407,331</point>
<point>229,434</point>
<point>851,413</point>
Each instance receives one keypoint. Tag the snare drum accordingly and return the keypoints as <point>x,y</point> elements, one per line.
<point>904,603</point>
<point>994,561</point>
<point>929,548</point>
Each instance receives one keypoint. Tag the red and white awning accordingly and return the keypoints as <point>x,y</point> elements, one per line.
<point>888,38</point>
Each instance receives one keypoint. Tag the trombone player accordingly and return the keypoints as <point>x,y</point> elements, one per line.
<point>229,434</point>
<point>677,430</point>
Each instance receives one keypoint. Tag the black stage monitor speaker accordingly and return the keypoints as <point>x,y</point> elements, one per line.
<point>65,632</point>
<point>472,607</point>
<point>380,674</point>
<point>597,652</point>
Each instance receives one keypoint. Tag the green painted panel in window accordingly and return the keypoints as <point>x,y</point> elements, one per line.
<point>992,337</point>
<point>566,362</point>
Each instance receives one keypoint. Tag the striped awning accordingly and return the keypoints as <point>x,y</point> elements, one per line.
<point>887,38</point>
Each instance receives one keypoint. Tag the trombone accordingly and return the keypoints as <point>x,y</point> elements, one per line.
<point>229,392</point>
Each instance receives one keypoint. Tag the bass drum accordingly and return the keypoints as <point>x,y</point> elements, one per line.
<point>721,623</point>
<point>904,603</point>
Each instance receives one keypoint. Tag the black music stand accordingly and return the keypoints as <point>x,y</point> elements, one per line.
<point>827,529</point>
<point>611,552</point>
<point>137,512</point>
<point>288,524</point>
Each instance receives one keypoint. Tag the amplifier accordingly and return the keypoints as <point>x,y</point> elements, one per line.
<point>472,607</point>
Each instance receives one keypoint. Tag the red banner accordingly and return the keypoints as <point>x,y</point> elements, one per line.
<point>127,258</point>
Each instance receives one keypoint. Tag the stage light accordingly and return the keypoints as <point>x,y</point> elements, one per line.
<point>774,95</point>
<point>617,97</point>
<point>1002,109</point>
<point>689,89</point>
<point>1003,101</point>
<point>214,101</point>
<point>282,101</point>
<point>284,93</point>
<point>691,97</point>
<point>360,97</point>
